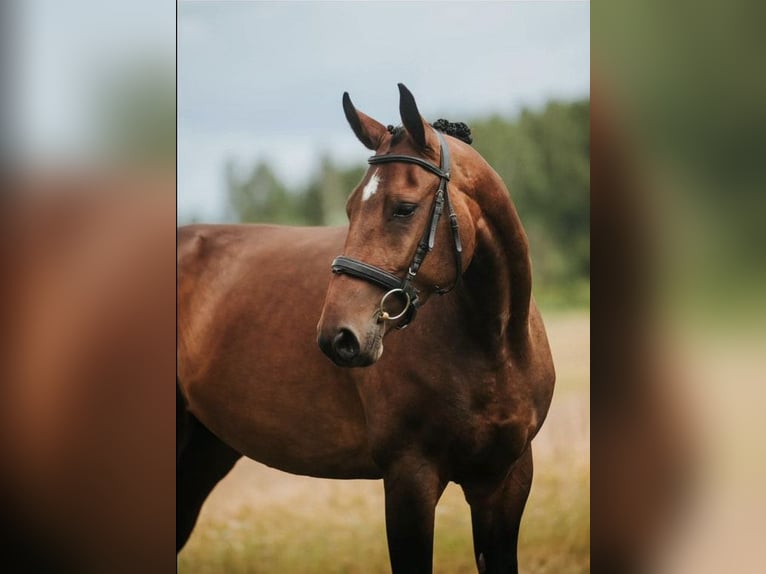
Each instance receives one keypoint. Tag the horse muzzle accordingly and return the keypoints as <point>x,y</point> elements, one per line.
<point>347,349</point>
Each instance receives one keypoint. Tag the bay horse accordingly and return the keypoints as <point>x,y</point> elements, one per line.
<point>457,396</point>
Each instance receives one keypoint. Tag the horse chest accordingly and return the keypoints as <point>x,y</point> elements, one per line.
<point>466,431</point>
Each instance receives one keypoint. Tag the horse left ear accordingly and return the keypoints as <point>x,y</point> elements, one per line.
<point>411,118</point>
<point>367,130</point>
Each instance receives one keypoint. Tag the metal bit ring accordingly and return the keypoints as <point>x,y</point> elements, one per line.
<point>383,314</point>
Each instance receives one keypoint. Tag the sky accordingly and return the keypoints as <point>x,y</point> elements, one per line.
<point>264,80</point>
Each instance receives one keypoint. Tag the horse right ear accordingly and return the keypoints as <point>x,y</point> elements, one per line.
<point>369,131</point>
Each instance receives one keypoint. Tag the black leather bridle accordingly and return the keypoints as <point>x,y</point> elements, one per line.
<point>390,282</point>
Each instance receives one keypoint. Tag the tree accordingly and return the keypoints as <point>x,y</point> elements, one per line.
<point>544,158</point>
<point>259,197</point>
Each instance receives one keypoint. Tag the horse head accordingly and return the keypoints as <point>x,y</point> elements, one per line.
<point>411,232</point>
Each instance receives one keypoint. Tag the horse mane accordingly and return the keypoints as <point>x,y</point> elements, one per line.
<point>457,130</point>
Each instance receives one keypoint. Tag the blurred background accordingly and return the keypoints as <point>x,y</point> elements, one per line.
<point>87,287</point>
<point>677,222</point>
<point>90,83</point>
<point>262,138</point>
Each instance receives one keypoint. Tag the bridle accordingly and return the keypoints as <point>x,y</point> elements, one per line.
<point>390,282</point>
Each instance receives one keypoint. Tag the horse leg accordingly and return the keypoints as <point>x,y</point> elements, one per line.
<point>412,487</point>
<point>496,518</point>
<point>202,460</point>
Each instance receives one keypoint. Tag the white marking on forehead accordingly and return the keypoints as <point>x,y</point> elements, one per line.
<point>371,187</point>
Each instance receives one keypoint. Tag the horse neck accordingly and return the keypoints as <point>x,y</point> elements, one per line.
<point>498,282</point>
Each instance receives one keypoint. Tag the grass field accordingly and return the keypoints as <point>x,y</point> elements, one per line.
<point>260,520</point>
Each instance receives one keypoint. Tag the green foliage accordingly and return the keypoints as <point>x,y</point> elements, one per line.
<point>543,156</point>
<point>137,115</point>
<point>544,159</point>
<point>261,196</point>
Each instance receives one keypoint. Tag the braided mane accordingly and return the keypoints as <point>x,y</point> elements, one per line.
<point>457,130</point>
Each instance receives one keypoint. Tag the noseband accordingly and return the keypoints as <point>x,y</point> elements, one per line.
<point>390,282</point>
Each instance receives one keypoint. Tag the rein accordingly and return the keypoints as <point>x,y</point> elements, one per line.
<point>392,283</point>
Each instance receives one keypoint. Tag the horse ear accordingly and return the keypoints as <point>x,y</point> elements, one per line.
<point>411,118</point>
<point>366,129</point>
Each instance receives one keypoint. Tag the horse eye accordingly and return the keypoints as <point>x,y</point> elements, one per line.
<point>404,209</point>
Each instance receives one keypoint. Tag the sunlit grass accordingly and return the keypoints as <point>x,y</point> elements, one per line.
<point>259,520</point>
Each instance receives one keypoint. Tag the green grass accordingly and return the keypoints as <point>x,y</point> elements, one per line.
<point>259,520</point>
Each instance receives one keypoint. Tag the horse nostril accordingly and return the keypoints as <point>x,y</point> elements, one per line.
<point>346,345</point>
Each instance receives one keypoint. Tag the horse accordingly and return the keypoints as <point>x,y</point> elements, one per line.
<point>280,345</point>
